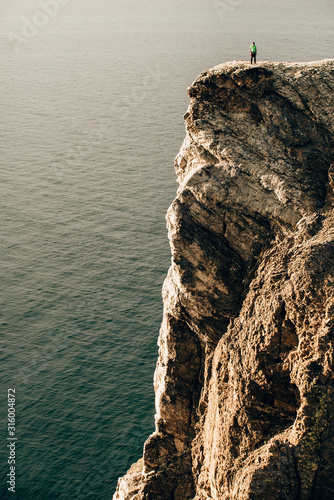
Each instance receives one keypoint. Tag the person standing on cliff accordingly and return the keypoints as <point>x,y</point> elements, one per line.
<point>253,51</point>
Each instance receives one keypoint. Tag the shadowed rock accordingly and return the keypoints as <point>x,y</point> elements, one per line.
<point>244,379</point>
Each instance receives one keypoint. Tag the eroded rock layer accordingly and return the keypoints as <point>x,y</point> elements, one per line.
<point>244,379</point>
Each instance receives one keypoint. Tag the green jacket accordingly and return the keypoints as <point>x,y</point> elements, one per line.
<point>253,49</point>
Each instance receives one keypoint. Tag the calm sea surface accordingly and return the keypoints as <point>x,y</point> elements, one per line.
<point>91,121</point>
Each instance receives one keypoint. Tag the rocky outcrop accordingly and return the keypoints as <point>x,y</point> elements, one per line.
<point>244,379</point>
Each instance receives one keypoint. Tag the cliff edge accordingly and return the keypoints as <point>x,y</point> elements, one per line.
<point>244,379</point>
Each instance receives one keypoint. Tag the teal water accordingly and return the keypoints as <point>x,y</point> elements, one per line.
<point>90,124</point>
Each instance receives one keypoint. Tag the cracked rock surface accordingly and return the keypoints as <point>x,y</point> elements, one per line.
<point>244,379</point>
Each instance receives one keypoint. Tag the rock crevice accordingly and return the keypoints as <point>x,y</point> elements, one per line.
<point>244,379</point>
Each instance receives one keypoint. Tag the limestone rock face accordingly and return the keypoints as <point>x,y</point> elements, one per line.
<point>244,379</point>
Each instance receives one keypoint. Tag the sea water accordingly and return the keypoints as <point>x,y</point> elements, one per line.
<point>91,120</point>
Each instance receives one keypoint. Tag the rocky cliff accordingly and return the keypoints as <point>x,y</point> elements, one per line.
<point>244,379</point>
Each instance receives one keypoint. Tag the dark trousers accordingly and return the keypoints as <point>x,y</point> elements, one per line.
<point>253,56</point>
